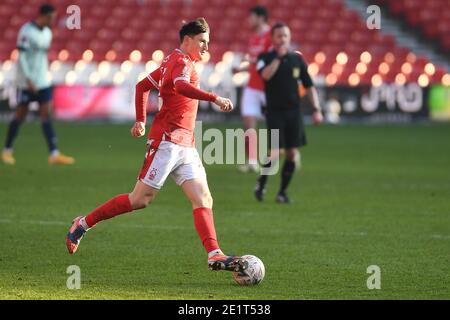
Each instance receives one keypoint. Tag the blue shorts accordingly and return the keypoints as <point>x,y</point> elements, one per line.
<point>24,97</point>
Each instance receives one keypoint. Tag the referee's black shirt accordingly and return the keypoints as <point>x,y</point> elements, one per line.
<point>282,89</point>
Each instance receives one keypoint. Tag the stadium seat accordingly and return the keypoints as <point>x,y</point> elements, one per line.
<point>431,18</point>
<point>126,25</point>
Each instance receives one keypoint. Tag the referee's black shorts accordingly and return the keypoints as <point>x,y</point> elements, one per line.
<point>290,124</point>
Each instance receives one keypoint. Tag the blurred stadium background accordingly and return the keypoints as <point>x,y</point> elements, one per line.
<point>398,73</point>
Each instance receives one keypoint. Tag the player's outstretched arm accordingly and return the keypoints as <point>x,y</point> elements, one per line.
<point>188,90</point>
<point>142,89</point>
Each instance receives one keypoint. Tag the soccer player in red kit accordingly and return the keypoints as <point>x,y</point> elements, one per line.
<point>253,97</point>
<point>170,146</point>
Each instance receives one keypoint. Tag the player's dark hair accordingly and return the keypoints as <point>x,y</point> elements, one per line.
<point>260,11</point>
<point>193,28</point>
<point>46,9</point>
<point>278,25</point>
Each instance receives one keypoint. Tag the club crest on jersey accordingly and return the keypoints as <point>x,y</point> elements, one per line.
<point>152,174</point>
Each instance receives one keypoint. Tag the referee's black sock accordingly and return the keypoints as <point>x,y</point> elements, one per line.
<point>286,175</point>
<point>262,180</point>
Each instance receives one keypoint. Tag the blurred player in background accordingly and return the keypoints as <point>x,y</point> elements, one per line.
<point>282,69</point>
<point>253,98</point>
<point>33,42</point>
<point>170,146</point>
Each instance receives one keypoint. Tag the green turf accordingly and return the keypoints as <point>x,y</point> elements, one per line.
<point>366,195</point>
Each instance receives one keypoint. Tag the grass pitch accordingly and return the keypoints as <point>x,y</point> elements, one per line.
<point>366,195</point>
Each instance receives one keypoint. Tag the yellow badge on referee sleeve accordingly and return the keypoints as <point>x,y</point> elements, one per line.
<point>296,73</point>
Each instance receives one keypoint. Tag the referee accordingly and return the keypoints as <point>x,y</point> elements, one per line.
<point>281,70</point>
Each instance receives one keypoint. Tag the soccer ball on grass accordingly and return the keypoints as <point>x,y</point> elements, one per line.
<point>253,274</point>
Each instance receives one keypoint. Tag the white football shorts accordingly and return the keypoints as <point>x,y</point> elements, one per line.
<point>164,158</point>
<point>252,102</point>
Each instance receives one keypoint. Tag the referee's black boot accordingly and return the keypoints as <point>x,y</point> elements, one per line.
<point>282,197</point>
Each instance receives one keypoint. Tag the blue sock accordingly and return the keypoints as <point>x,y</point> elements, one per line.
<point>49,134</point>
<point>12,133</point>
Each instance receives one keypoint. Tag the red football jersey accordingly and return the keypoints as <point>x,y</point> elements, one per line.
<point>258,43</point>
<point>175,121</point>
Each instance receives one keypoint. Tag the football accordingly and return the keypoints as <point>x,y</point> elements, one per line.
<point>254,273</point>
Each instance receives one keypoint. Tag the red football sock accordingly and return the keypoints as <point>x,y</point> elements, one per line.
<point>204,223</point>
<point>118,205</point>
<point>251,144</point>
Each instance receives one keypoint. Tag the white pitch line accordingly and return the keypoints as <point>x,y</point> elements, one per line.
<point>440,237</point>
<point>61,223</point>
<point>42,222</point>
<point>165,227</point>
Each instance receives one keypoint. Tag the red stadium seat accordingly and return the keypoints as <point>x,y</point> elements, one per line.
<point>431,17</point>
